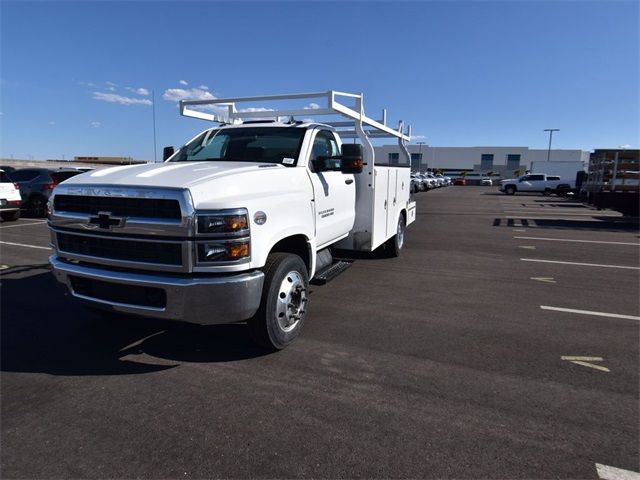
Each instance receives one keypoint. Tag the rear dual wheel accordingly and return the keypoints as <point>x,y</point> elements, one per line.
<point>283,306</point>
<point>394,245</point>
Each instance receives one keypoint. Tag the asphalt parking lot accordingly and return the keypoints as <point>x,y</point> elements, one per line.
<point>456,360</point>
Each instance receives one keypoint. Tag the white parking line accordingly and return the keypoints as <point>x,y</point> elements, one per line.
<point>578,241</point>
<point>579,264</point>
<point>27,246</point>
<point>606,472</point>
<point>22,224</point>
<point>589,312</point>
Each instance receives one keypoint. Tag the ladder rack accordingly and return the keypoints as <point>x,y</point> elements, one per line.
<point>229,114</point>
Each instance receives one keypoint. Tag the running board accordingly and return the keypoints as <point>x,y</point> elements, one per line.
<point>330,273</point>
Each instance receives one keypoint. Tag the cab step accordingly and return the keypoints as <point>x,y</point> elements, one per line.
<point>330,272</point>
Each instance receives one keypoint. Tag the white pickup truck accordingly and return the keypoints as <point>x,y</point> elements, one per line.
<point>537,182</point>
<point>233,225</point>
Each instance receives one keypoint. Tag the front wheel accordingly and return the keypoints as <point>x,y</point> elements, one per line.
<point>283,307</point>
<point>510,190</point>
<point>394,244</point>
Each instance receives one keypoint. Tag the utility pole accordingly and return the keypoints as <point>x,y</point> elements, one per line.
<point>420,155</point>
<point>153,105</point>
<point>550,130</point>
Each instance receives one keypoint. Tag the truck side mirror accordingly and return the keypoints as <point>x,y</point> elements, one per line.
<point>351,160</point>
<point>167,152</point>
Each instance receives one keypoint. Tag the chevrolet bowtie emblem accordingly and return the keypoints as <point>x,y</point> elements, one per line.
<point>106,221</point>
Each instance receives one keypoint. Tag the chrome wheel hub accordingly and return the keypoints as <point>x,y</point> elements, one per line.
<point>400,234</point>
<point>292,301</point>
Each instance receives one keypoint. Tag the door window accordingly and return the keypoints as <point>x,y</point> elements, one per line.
<point>325,145</point>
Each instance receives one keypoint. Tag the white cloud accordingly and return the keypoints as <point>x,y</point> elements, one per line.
<point>626,146</point>
<point>312,106</point>
<point>52,123</point>
<point>139,91</point>
<point>111,89</point>
<point>95,124</point>
<point>183,82</point>
<point>417,137</point>
<point>177,94</point>
<point>122,100</point>
<point>111,84</point>
<point>203,87</point>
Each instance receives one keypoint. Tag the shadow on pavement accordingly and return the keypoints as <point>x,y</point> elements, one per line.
<point>602,224</point>
<point>43,330</point>
<point>598,224</point>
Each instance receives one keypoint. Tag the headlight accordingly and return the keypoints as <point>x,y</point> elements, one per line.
<point>217,251</point>
<point>223,222</point>
<point>226,237</point>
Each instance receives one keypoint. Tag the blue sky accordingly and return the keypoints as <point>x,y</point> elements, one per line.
<point>76,77</point>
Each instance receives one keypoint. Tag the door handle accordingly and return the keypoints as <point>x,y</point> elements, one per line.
<point>349,181</point>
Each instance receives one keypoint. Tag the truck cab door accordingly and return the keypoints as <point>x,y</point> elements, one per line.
<point>535,183</point>
<point>525,184</point>
<point>334,192</point>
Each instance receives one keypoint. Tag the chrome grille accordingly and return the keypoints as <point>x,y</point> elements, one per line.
<point>130,227</point>
<point>162,253</point>
<point>119,206</point>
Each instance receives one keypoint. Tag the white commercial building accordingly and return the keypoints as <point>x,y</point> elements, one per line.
<point>503,161</point>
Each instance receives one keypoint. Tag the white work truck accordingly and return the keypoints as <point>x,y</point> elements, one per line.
<point>234,225</point>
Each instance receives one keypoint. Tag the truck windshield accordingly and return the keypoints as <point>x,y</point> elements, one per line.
<point>247,144</point>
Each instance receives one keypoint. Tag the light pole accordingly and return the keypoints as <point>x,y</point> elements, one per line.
<point>420,155</point>
<point>550,130</point>
<point>153,105</point>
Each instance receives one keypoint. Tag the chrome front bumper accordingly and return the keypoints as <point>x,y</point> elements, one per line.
<point>203,300</point>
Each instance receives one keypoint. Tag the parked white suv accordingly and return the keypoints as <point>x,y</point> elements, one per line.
<point>10,200</point>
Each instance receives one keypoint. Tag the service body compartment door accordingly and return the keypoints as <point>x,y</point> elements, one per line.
<point>334,193</point>
<point>391,197</point>
<point>392,202</point>
<point>380,207</point>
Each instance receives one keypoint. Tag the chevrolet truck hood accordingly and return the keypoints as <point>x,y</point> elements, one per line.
<point>172,175</point>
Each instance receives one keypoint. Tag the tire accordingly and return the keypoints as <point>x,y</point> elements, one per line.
<point>547,192</point>
<point>10,216</point>
<point>394,245</point>
<point>283,306</point>
<point>509,190</point>
<point>38,206</point>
